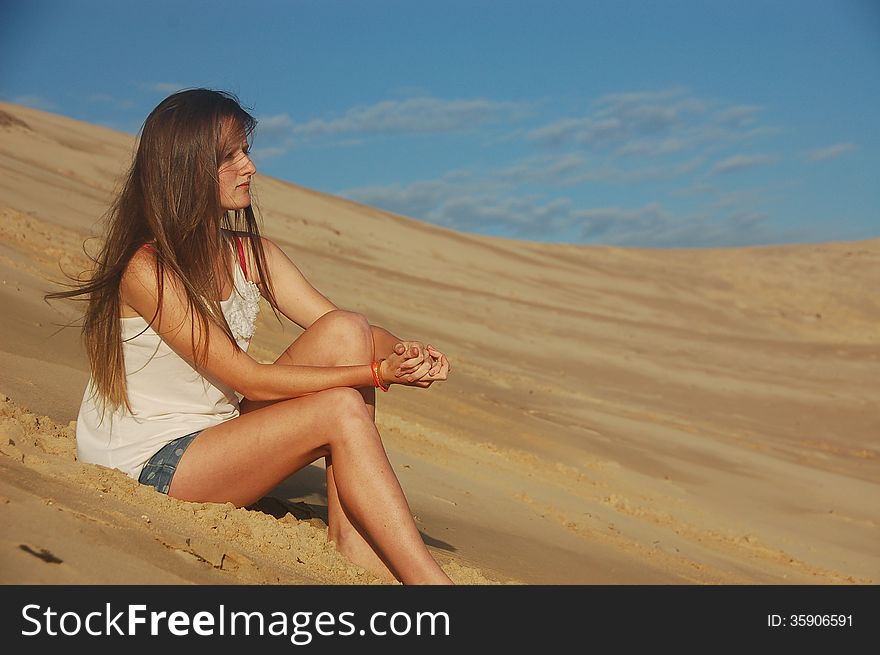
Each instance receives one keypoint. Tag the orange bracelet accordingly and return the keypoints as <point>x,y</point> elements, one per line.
<point>374,367</point>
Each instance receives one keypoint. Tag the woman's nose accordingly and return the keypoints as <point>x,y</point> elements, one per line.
<point>249,168</point>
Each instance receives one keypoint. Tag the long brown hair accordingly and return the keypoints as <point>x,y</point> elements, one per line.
<point>171,199</point>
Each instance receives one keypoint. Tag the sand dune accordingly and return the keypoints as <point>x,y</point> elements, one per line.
<point>614,415</point>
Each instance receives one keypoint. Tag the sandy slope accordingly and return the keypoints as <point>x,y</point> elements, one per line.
<point>614,415</point>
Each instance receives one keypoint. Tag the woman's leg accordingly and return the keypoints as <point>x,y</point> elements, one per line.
<point>338,338</point>
<point>241,459</point>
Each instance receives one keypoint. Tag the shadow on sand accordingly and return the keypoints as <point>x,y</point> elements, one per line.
<point>310,483</point>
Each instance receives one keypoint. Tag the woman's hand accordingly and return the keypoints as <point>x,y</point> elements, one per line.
<point>440,367</point>
<point>424,364</point>
<point>401,365</point>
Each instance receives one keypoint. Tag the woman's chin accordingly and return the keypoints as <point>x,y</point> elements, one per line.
<point>235,206</point>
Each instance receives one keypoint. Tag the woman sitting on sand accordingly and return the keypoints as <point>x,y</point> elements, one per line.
<point>174,399</point>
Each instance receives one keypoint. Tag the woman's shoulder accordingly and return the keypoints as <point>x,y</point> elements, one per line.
<point>143,263</point>
<point>139,277</point>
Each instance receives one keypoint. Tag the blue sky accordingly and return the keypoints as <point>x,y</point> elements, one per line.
<point>654,124</point>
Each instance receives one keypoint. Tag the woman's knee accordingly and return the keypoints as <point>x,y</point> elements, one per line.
<point>347,416</point>
<point>351,328</point>
<point>345,318</point>
<point>350,337</point>
<point>342,404</point>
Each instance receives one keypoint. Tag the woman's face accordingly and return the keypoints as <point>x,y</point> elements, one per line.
<point>234,174</point>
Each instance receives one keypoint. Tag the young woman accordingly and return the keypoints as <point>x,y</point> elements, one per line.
<point>174,399</point>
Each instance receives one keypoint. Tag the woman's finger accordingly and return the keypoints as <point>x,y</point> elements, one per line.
<point>444,369</point>
<point>420,372</point>
<point>435,356</point>
<point>409,365</point>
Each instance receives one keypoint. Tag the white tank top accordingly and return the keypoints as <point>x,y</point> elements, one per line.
<point>168,397</point>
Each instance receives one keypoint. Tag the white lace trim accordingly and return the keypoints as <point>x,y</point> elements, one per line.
<point>244,306</point>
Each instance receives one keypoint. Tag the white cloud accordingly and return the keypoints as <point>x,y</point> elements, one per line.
<point>459,201</point>
<point>831,152</point>
<point>545,169</point>
<point>261,154</point>
<point>738,116</point>
<point>655,226</point>
<point>618,118</point>
<point>410,116</point>
<point>109,101</point>
<point>481,205</point>
<point>740,162</point>
<point>568,170</point>
<point>416,200</point>
<point>652,124</point>
<point>274,132</point>
<point>37,102</point>
<point>164,87</point>
<point>669,136</point>
<point>279,124</point>
<point>421,115</point>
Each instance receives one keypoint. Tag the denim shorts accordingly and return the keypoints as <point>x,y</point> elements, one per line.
<point>160,468</point>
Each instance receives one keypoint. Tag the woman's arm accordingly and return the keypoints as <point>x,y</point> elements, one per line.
<point>299,301</point>
<point>383,341</point>
<point>296,298</point>
<point>224,360</point>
